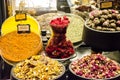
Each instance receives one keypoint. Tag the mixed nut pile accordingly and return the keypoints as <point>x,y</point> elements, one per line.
<point>38,67</point>
<point>104,20</point>
<point>95,66</point>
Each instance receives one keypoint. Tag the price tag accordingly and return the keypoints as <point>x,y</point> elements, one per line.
<point>20,17</point>
<point>105,5</point>
<point>23,28</point>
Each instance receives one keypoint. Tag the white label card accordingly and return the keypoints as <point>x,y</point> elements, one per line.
<point>23,28</point>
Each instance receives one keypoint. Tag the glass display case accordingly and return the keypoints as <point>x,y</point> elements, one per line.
<point>33,7</point>
<point>37,9</point>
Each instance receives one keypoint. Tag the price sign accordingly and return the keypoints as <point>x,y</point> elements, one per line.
<point>23,28</point>
<point>105,5</point>
<point>20,17</point>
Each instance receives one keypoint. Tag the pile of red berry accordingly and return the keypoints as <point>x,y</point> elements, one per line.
<point>60,22</point>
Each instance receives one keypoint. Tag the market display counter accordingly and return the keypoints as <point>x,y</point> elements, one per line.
<point>80,51</point>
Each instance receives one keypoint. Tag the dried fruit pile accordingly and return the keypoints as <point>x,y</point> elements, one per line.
<point>38,67</point>
<point>104,20</point>
<point>95,66</point>
<point>58,46</point>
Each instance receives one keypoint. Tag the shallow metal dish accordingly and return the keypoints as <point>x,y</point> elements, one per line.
<point>117,77</point>
<point>13,77</point>
<point>66,59</point>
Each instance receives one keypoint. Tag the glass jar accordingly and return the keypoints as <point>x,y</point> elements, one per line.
<point>58,46</point>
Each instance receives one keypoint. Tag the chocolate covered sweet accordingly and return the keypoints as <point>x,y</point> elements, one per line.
<point>107,20</point>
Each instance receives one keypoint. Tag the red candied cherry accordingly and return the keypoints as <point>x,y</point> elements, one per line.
<point>65,18</point>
